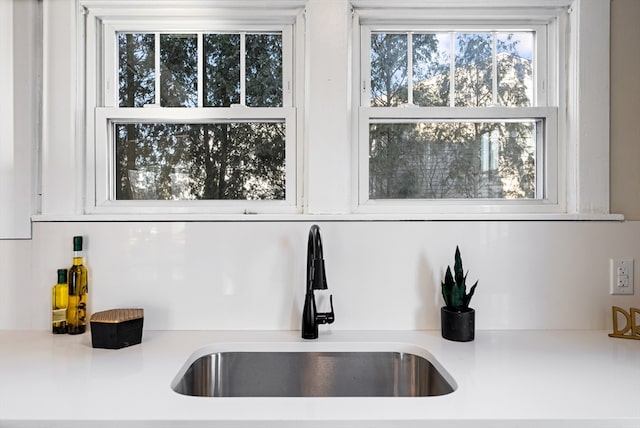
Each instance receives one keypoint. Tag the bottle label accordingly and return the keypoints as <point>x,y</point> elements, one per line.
<point>59,315</point>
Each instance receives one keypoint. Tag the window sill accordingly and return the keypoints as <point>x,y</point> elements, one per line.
<point>41,218</point>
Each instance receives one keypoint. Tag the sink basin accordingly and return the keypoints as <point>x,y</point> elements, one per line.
<point>317,373</point>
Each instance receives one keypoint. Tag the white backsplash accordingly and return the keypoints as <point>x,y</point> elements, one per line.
<point>383,275</point>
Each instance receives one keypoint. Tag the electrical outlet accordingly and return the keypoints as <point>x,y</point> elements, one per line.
<point>622,281</point>
<point>621,276</point>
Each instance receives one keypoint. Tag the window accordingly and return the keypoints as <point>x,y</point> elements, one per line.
<point>458,114</point>
<point>192,113</point>
<point>424,109</point>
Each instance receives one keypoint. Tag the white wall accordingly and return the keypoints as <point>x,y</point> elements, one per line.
<point>384,275</point>
<point>19,115</point>
<point>625,106</point>
<point>250,275</point>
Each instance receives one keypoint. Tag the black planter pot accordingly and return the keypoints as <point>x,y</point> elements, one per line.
<point>457,325</point>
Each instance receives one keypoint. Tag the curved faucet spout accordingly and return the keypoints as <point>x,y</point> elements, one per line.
<point>316,280</point>
<point>316,276</point>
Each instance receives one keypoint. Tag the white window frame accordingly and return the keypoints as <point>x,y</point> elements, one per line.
<point>576,154</point>
<point>547,103</point>
<point>326,85</point>
<point>103,22</point>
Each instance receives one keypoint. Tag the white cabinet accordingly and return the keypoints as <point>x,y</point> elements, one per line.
<point>20,89</point>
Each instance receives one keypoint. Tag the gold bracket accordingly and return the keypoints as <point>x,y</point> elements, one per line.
<point>631,329</point>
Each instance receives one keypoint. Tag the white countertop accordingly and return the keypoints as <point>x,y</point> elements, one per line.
<point>504,379</point>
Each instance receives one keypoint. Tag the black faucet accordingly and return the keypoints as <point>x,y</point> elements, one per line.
<point>316,280</point>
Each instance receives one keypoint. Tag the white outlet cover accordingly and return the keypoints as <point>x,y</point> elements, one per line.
<point>617,281</point>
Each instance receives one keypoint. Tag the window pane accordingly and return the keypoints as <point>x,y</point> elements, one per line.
<point>515,70</point>
<point>388,69</point>
<point>136,69</point>
<point>221,69</point>
<point>473,69</point>
<point>179,70</point>
<point>231,161</point>
<point>264,70</point>
<point>448,160</point>
<point>476,83</point>
<point>431,69</point>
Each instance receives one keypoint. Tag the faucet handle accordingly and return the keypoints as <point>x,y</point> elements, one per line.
<point>326,317</point>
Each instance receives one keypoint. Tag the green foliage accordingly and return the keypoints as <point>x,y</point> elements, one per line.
<point>217,160</point>
<point>454,289</point>
<point>448,160</point>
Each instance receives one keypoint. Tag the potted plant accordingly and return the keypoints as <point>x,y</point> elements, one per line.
<point>457,318</point>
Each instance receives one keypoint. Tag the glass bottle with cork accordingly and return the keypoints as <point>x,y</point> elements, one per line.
<point>78,289</point>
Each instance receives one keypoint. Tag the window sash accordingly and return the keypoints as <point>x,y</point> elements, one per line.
<point>543,96</point>
<point>104,173</point>
<point>102,102</point>
<point>546,100</point>
<point>110,66</point>
<point>547,159</point>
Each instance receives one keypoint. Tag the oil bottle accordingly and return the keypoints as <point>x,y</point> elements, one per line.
<point>59,303</point>
<point>78,289</point>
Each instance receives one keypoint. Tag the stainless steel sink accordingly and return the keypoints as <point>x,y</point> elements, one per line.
<point>361,373</point>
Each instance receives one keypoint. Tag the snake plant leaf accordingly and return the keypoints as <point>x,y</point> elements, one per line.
<point>447,286</point>
<point>457,296</point>
<point>454,289</point>
<point>467,297</point>
<point>457,267</point>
